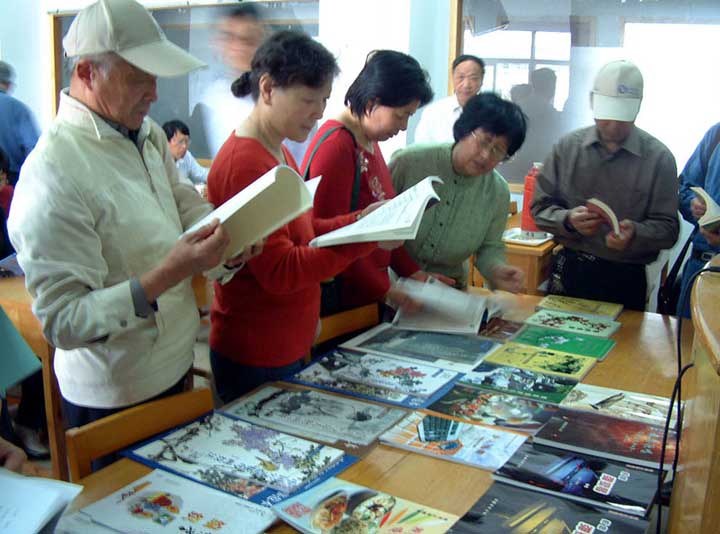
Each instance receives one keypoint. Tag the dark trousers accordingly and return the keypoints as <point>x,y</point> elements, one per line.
<point>31,411</point>
<point>232,379</point>
<point>582,275</point>
<point>75,415</point>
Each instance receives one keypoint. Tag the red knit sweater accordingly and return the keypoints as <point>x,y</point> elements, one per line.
<point>366,280</point>
<point>267,314</point>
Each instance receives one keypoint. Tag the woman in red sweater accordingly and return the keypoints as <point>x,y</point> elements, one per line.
<point>264,320</point>
<point>387,92</point>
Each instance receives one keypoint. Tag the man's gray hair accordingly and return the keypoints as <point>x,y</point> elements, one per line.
<point>103,61</point>
<point>7,73</point>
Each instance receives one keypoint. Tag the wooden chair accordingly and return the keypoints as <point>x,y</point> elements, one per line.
<point>117,431</point>
<point>339,324</point>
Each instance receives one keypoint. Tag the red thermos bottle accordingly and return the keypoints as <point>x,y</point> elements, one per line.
<point>527,223</point>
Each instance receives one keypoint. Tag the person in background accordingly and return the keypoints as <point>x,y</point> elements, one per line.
<point>98,216</point>
<point>11,457</point>
<point>387,92</point>
<point>6,192</point>
<point>472,213</point>
<point>630,171</point>
<point>701,170</point>
<point>264,321</point>
<point>19,131</point>
<point>437,119</point>
<point>189,170</point>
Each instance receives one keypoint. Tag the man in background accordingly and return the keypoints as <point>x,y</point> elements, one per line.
<point>437,119</point>
<point>701,170</point>
<point>627,169</point>
<point>19,132</point>
<point>189,170</point>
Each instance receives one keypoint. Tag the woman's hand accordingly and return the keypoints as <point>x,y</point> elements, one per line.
<point>11,457</point>
<point>422,276</point>
<point>507,278</point>
<point>370,208</point>
<point>390,245</point>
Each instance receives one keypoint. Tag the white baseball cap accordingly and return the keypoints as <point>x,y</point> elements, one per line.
<point>617,92</point>
<point>128,29</point>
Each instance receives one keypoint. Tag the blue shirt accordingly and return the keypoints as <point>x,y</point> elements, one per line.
<point>19,132</point>
<point>702,169</point>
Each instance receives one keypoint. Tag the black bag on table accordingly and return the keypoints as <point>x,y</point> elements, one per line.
<point>331,290</point>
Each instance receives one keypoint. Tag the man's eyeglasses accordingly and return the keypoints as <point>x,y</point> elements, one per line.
<point>494,151</point>
<point>182,142</point>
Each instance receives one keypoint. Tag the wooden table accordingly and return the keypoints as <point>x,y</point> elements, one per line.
<point>643,361</point>
<point>535,262</point>
<point>17,303</point>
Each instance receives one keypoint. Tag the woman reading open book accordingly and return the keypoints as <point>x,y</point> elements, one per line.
<point>265,319</point>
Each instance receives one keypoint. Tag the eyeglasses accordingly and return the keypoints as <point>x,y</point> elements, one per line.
<point>494,151</point>
<point>182,142</point>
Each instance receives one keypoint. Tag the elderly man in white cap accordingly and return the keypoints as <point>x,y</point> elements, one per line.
<point>97,216</point>
<point>630,171</point>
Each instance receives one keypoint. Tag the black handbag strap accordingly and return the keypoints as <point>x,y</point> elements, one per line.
<point>355,196</point>
<point>675,269</point>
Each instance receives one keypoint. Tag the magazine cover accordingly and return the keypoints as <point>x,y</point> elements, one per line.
<point>500,330</point>
<point>316,415</point>
<point>319,374</point>
<point>596,481</point>
<point>449,351</point>
<point>522,382</point>
<point>478,446</point>
<point>639,407</point>
<point>597,308</point>
<point>553,362</point>
<point>238,457</point>
<point>617,439</point>
<point>572,342</point>
<point>572,322</point>
<point>340,507</point>
<point>500,409</point>
<point>507,509</point>
<point>161,503</point>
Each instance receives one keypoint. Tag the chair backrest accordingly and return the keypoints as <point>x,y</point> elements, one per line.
<point>115,432</point>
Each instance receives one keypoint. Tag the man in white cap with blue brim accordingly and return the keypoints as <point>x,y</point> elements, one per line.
<point>631,172</point>
<point>96,218</point>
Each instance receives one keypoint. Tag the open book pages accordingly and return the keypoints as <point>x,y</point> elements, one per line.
<point>31,504</point>
<point>436,307</point>
<point>160,501</point>
<point>274,199</point>
<point>605,212</point>
<point>710,221</point>
<point>396,220</point>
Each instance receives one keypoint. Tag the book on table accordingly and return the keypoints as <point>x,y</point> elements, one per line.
<point>437,307</point>
<point>609,437</point>
<point>339,507</point>
<point>396,220</point>
<point>457,352</point>
<point>546,361</point>
<point>349,424</point>
<point>500,330</point>
<point>572,342</point>
<point>582,477</point>
<point>161,502</point>
<point>490,408</point>
<point>505,509</point>
<point>473,445</point>
<point>606,213</point>
<point>612,402</point>
<point>710,220</point>
<point>253,213</point>
<point>573,322</point>
<point>593,308</point>
<point>520,382</point>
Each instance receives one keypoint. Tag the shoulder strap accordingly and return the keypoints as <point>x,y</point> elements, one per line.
<point>675,269</point>
<point>355,196</point>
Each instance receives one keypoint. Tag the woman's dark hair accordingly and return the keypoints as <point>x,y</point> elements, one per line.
<point>392,79</point>
<point>290,58</point>
<point>494,115</point>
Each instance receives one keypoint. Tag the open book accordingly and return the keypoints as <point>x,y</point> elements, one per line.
<point>398,219</point>
<point>442,308</point>
<point>274,199</point>
<point>605,212</point>
<point>711,220</point>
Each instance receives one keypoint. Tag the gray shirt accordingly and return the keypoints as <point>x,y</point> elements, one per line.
<point>639,182</point>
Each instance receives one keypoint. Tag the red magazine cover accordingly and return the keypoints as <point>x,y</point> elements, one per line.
<point>616,439</point>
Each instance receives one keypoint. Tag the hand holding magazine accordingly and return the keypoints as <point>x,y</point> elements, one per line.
<point>274,199</point>
<point>710,221</point>
<point>396,220</point>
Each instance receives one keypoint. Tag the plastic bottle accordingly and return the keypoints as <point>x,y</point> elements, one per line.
<point>527,223</point>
